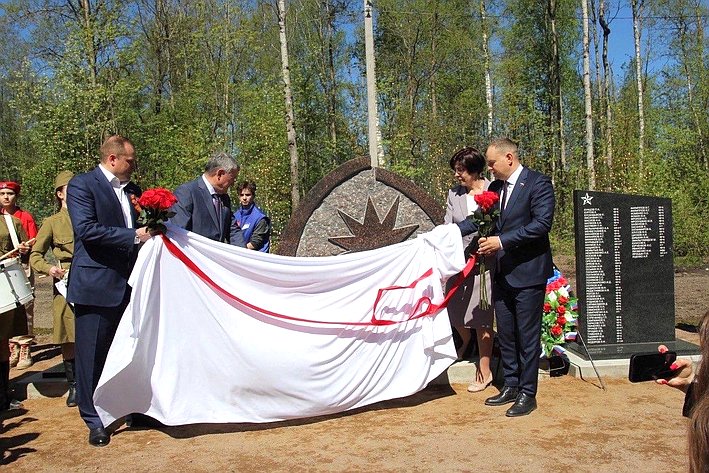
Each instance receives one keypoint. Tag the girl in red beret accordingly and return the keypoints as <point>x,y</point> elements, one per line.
<point>23,330</point>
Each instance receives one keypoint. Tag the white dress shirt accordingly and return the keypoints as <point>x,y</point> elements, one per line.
<point>511,181</point>
<point>118,188</point>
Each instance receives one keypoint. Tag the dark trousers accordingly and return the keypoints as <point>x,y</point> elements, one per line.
<point>95,328</point>
<point>519,322</point>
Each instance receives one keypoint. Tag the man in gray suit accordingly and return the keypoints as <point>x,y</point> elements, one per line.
<point>203,205</point>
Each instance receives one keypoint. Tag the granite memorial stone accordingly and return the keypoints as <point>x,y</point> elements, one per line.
<point>356,208</point>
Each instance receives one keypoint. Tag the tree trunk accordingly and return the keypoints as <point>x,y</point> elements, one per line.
<point>413,85</point>
<point>597,62</point>
<point>587,99</point>
<point>375,151</point>
<point>682,30</point>
<point>432,81</point>
<point>488,75</point>
<point>90,41</point>
<point>558,103</point>
<point>699,18</point>
<point>607,75</point>
<point>91,54</point>
<point>636,6</point>
<point>159,18</point>
<point>290,125</point>
<point>332,86</point>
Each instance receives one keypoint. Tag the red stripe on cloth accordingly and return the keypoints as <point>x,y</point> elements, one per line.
<point>430,307</point>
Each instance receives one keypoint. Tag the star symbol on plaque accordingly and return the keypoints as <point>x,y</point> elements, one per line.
<point>373,232</point>
<point>586,199</point>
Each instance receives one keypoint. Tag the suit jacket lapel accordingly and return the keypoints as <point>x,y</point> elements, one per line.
<point>109,197</point>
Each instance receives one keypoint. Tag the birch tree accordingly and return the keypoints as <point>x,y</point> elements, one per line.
<point>288,94</point>
<point>587,99</point>
<point>607,103</point>
<point>690,62</point>
<point>486,58</point>
<point>555,74</point>
<point>636,7</point>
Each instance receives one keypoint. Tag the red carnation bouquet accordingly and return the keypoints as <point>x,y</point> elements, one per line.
<point>485,217</point>
<point>154,207</point>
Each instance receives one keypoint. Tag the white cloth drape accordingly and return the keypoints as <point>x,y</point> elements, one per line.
<point>185,354</point>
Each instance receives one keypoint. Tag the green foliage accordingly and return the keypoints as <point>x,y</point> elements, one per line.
<point>184,79</point>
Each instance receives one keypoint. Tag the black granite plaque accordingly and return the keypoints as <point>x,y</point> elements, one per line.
<point>625,273</point>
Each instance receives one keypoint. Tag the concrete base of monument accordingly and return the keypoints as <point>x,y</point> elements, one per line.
<point>612,351</point>
<point>613,361</point>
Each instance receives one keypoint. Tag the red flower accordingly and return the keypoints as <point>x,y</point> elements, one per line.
<point>563,300</point>
<point>486,200</point>
<point>547,307</point>
<point>561,320</point>
<point>556,330</point>
<point>562,281</point>
<point>561,310</point>
<point>158,199</point>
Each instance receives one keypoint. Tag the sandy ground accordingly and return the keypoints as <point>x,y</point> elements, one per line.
<point>628,428</point>
<point>578,426</point>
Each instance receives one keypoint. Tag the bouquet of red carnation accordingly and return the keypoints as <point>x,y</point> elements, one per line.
<point>154,206</point>
<point>485,217</point>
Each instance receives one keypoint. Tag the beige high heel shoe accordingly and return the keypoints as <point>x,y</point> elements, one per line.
<point>476,387</point>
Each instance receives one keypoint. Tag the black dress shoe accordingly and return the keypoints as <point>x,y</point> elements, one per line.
<point>524,405</point>
<point>98,437</point>
<point>507,395</point>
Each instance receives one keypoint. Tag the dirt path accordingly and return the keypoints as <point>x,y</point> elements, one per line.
<point>578,426</point>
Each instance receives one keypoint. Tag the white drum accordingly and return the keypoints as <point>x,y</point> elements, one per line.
<point>15,288</point>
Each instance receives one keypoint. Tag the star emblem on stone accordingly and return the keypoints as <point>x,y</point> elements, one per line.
<point>586,199</point>
<point>373,232</point>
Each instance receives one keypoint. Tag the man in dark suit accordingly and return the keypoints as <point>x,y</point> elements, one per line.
<point>105,248</point>
<point>203,205</point>
<point>524,264</point>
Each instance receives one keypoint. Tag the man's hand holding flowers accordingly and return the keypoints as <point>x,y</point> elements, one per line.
<point>489,245</point>
<point>154,207</point>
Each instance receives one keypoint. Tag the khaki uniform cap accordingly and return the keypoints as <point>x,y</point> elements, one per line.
<point>62,179</point>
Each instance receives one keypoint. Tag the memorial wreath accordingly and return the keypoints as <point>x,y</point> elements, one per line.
<point>559,313</point>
